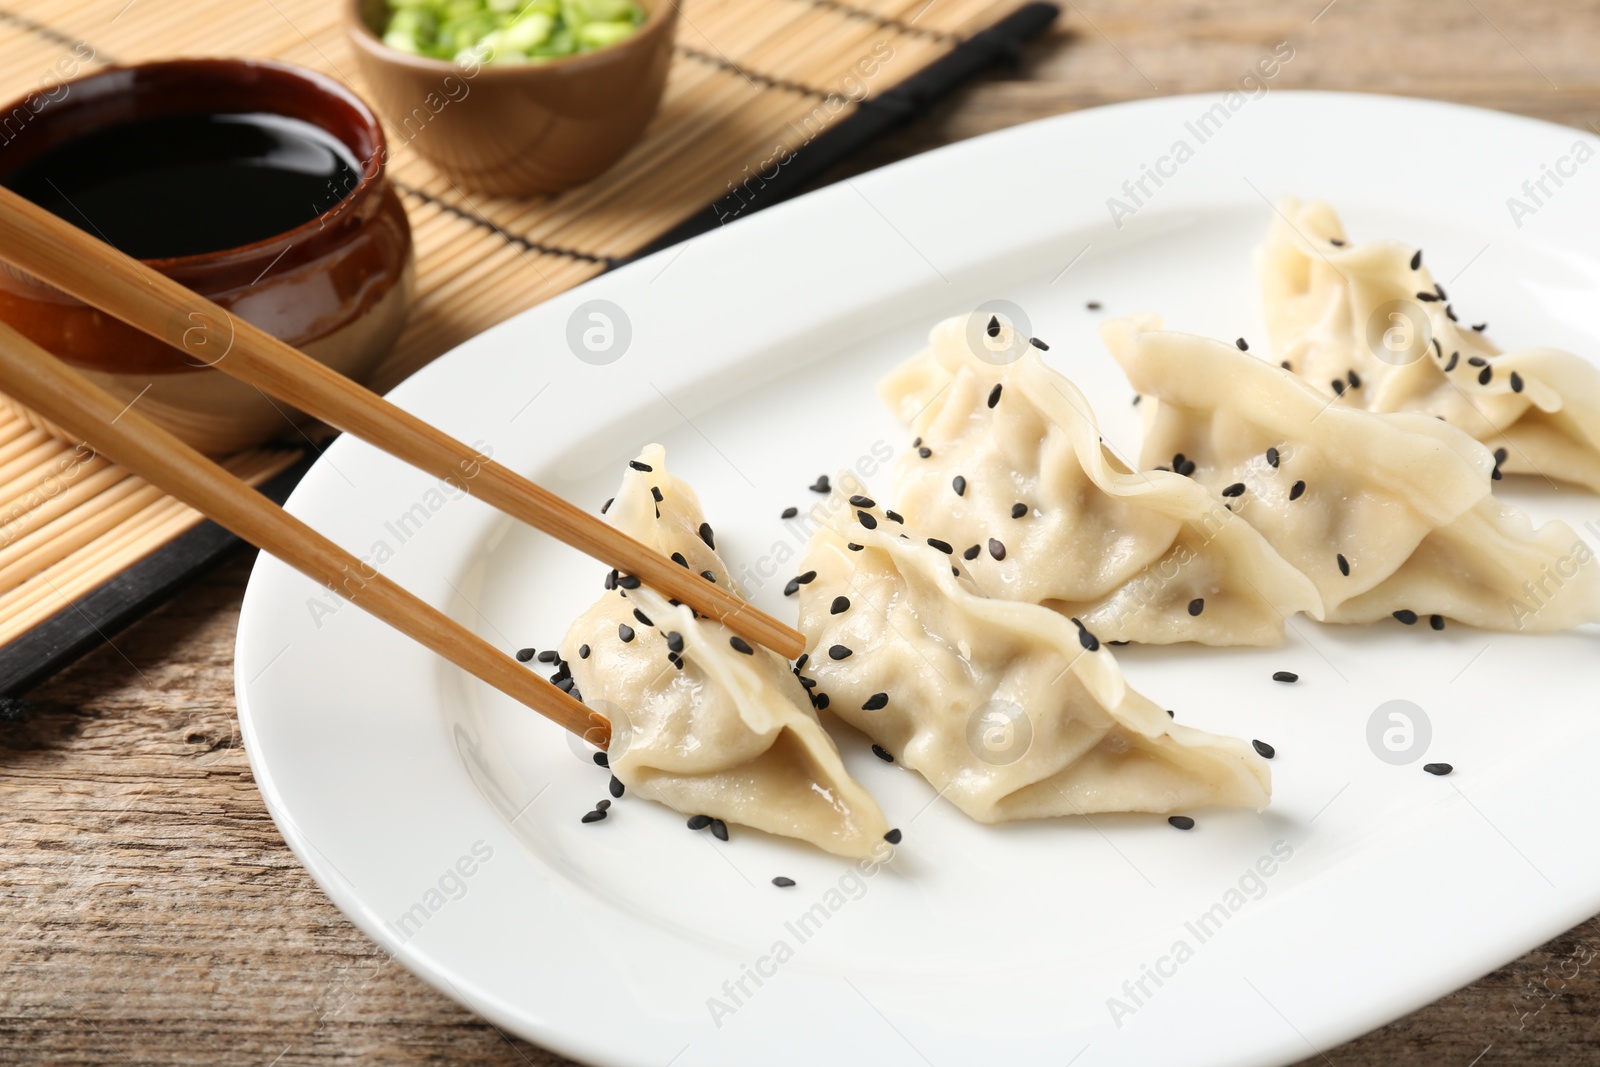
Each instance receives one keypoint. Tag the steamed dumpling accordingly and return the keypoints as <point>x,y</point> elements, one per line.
<point>1009,471</point>
<point>709,724</point>
<point>1333,309</point>
<point>1387,514</point>
<point>1002,706</point>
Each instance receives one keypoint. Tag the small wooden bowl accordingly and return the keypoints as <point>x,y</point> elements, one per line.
<point>336,287</point>
<point>518,130</point>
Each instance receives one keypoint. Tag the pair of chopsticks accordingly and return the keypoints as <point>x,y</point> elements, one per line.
<point>52,250</point>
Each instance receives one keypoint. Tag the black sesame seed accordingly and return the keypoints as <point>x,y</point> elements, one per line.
<point>1040,345</point>
<point>1428,298</point>
<point>876,702</point>
<point>996,549</point>
<point>1286,365</point>
<point>838,652</point>
<point>741,645</point>
<point>840,605</point>
<point>1440,769</point>
<point>789,513</point>
<point>894,837</point>
<point>627,581</point>
<point>924,452</point>
<point>1455,357</point>
<point>674,641</point>
<point>800,664</point>
<point>602,760</point>
<point>1407,616</point>
<point>636,465</point>
<point>1336,242</point>
<point>583,651</point>
<point>972,553</point>
<point>993,329</point>
<point>642,617</point>
<point>699,822</point>
<point>894,516</point>
<point>1236,489</point>
<point>1171,714</point>
<point>1500,456</point>
<point>1187,468</point>
<point>792,588</point>
<point>625,632</point>
<point>1480,327</point>
<point>1272,458</point>
<point>1450,312</point>
<point>1018,510</point>
<point>706,536</point>
<point>1085,638</point>
<point>616,786</point>
<point>677,557</point>
<point>1297,490</point>
<point>1136,399</point>
<point>994,394</point>
<point>1182,822</point>
<point>1344,565</point>
<point>942,546</point>
<point>524,654</point>
<point>878,750</point>
<point>719,829</point>
<point>595,815</point>
<point>1478,361</point>
<point>1485,376</point>
<point>708,576</point>
<point>1440,290</point>
<point>1265,750</point>
<point>1244,346</point>
<point>809,683</point>
<point>1197,605</point>
<point>1093,305</point>
<point>821,485</point>
<point>548,656</point>
<point>1285,676</point>
<point>959,484</point>
<point>563,684</point>
<point>863,502</point>
<point>675,659</point>
<point>852,546</point>
<point>1354,379</point>
<point>655,491</point>
<point>866,519</point>
<point>820,701</point>
<point>607,505</point>
<point>1516,382</point>
<point>1338,386</point>
<point>1436,621</point>
<point>1416,260</point>
<point>783,883</point>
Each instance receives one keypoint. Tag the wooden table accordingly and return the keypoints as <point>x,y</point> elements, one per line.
<point>149,911</point>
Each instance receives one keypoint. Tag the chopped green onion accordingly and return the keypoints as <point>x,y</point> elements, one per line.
<point>506,32</point>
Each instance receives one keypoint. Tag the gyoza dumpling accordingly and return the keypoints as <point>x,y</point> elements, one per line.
<point>1002,706</point>
<point>1387,514</point>
<point>1008,470</point>
<point>712,725</point>
<point>1356,320</point>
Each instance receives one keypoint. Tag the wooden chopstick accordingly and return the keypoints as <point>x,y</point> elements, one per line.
<point>51,249</point>
<point>37,379</point>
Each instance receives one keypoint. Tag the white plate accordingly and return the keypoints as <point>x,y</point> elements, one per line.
<point>752,356</point>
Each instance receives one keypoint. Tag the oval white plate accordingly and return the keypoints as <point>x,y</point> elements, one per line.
<point>444,820</point>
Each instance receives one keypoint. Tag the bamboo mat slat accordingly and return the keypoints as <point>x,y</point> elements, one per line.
<point>747,77</point>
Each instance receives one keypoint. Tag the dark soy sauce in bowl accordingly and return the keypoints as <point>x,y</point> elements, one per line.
<point>182,185</point>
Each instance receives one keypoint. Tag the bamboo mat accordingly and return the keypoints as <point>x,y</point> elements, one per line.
<point>747,77</point>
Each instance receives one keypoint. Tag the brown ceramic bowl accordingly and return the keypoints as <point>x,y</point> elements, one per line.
<point>336,287</point>
<point>525,129</point>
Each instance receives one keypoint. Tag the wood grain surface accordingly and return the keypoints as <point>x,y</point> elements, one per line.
<point>149,910</point>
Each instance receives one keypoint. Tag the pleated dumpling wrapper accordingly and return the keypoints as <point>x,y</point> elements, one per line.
<point>710,725</point>
<point>1011,710</point>
<point>1367,322</point>
<point>1387,514</point>
<point>1009,471</point>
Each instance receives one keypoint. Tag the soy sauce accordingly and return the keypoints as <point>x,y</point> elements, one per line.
<point>179,185</point>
